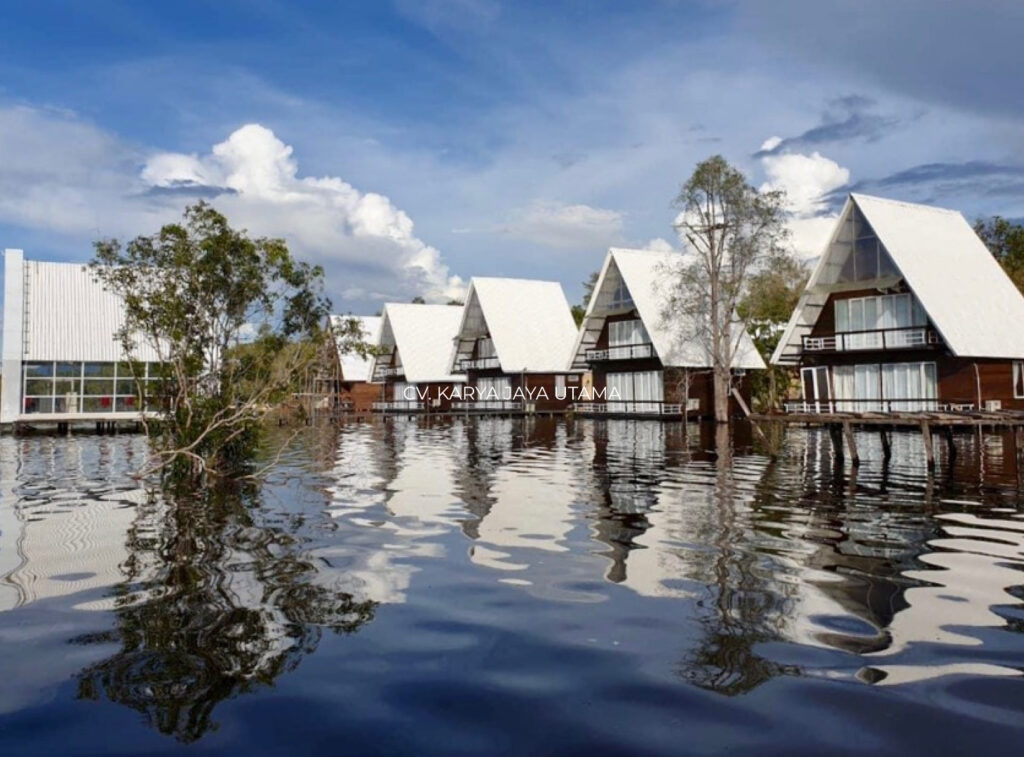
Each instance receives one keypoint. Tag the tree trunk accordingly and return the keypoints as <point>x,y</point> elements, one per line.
<point>723,385</point>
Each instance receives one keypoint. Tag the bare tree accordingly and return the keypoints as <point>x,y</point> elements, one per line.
<point>732,231</point>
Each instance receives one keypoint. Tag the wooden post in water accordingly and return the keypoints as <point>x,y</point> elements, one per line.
<point>835,431</point>
<point>950,443</point>
<point>929,451</point>
<point>886,445</point>
<point>852,442</point>
<point>1018,449</point>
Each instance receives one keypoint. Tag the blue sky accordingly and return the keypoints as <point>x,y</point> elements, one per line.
<point>409,145</point>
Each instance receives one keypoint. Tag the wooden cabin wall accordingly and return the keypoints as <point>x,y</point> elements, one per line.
<point>959,382</point>
<point>361,394</point>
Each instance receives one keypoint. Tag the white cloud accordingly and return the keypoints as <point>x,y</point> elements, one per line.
<point>326,217</point>
<point>806,179</point>
<point>63,176</point>
<point>658,244</point>
<point>567,226</point>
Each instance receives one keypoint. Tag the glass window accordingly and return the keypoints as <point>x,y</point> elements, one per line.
<point>621,298</point>
<point>71,370</point>
<point>98,369</point>
<point>1018,379</point>
<point>66,386</point>
<point>97,387</point>
<point>39,387</point>
<point>38,369</point>
<point>125,387</point>
<point>485,347</point>
<point>125,404</point>
<point>38,404</point>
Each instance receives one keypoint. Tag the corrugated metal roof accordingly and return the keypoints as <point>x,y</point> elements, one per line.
<point>70,316</point>
<point>968,297</point>
<point>529,321</point>
<point>355,367</point>
<point>644,273</point>
<point>423,336</point>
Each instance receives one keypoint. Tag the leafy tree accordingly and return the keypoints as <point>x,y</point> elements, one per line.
<point>457,303</point>
<point>770,299</point>
<point>417,300</point>
<point>579,311</point>
<point>733,233</point>
<point>1005,239</point>
<point>222,311</point>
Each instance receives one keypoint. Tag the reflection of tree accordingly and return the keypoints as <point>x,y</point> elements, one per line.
<point>744,607</point>
<point>219,601</point>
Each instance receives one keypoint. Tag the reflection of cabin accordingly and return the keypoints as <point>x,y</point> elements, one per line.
<point>643,366</point>
<point>907,310</point>
<point>61,359</point>
<point>414,367</point>
<point>354,390</point>
<point>512,345</point>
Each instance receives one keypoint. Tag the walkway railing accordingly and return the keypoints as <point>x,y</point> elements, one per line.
<point>634,407</point>
<point>512,406</point>
<point>398,406</point>
<point>873,339</point>
<point>906,405</point>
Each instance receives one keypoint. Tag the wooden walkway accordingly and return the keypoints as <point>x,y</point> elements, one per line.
<point>841,426</point>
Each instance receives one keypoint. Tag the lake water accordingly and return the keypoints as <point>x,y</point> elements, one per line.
<point>514,586</point>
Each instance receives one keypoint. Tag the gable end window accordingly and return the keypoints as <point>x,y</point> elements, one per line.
<point>1018,379</point>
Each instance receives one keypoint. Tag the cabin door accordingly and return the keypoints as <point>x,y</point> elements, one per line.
<point>817,389</point>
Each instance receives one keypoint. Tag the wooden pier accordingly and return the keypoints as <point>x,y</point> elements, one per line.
<point>841,426</point>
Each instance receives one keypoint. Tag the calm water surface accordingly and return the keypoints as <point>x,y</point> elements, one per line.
<point>514,586</point>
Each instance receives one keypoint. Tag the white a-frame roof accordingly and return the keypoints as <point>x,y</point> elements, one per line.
<point>355,367</point>
<point>529,321</point>
<point>648,277</point>
<point>968,298</point>
<point>422,336</point>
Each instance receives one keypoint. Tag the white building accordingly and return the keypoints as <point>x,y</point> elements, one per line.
<point>61,359</point>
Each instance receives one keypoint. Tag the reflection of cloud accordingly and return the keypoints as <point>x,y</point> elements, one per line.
<point>969,573</point>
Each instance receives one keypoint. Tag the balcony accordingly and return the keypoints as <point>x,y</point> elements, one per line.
<point>479,363</point>
<point>389,372</point>
<point>621,352</point>
<point>915,337</point>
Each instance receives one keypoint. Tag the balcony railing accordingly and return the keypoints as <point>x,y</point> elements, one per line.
<point>621,352</point>
<point>904,405</point>
<point>389,372</point>
<point>512,406</point>
<point>398,406</point>
<point>873,339</point>
<point>635,407</point>
<point>479,363</point>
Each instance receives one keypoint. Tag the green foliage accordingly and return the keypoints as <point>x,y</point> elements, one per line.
<point>1005,240</point>
<point>579,311</point>
<point>220,309</point>
<point>770,299</point>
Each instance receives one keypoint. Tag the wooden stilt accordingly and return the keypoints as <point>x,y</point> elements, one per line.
<point>929,451</point>
<point>835,431</point>
<point>950,443</point>
<point>1018,448</point>
<point>886,445</point>
<point>852,443</point>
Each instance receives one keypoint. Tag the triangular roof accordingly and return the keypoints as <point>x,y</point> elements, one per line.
<point>644,272</point>
<point>529,321</point>
<point>968,297</point>
<point>355,367</point>
<point>423,336</point>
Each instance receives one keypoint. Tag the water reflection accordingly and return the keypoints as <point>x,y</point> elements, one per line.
<point>728,569</point>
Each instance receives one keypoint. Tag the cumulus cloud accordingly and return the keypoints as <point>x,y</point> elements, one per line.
<point>67,177</point>
<point>325,217</point>
<point>567,226</point>
<point>808,181</point>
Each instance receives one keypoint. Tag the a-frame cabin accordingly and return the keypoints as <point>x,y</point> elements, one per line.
<point>412,369</point>
<point>906,311</point>
<point>512,345</point>
<point>643,365</point>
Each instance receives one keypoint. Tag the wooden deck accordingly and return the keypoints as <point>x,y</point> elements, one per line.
<point>841,426</point>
